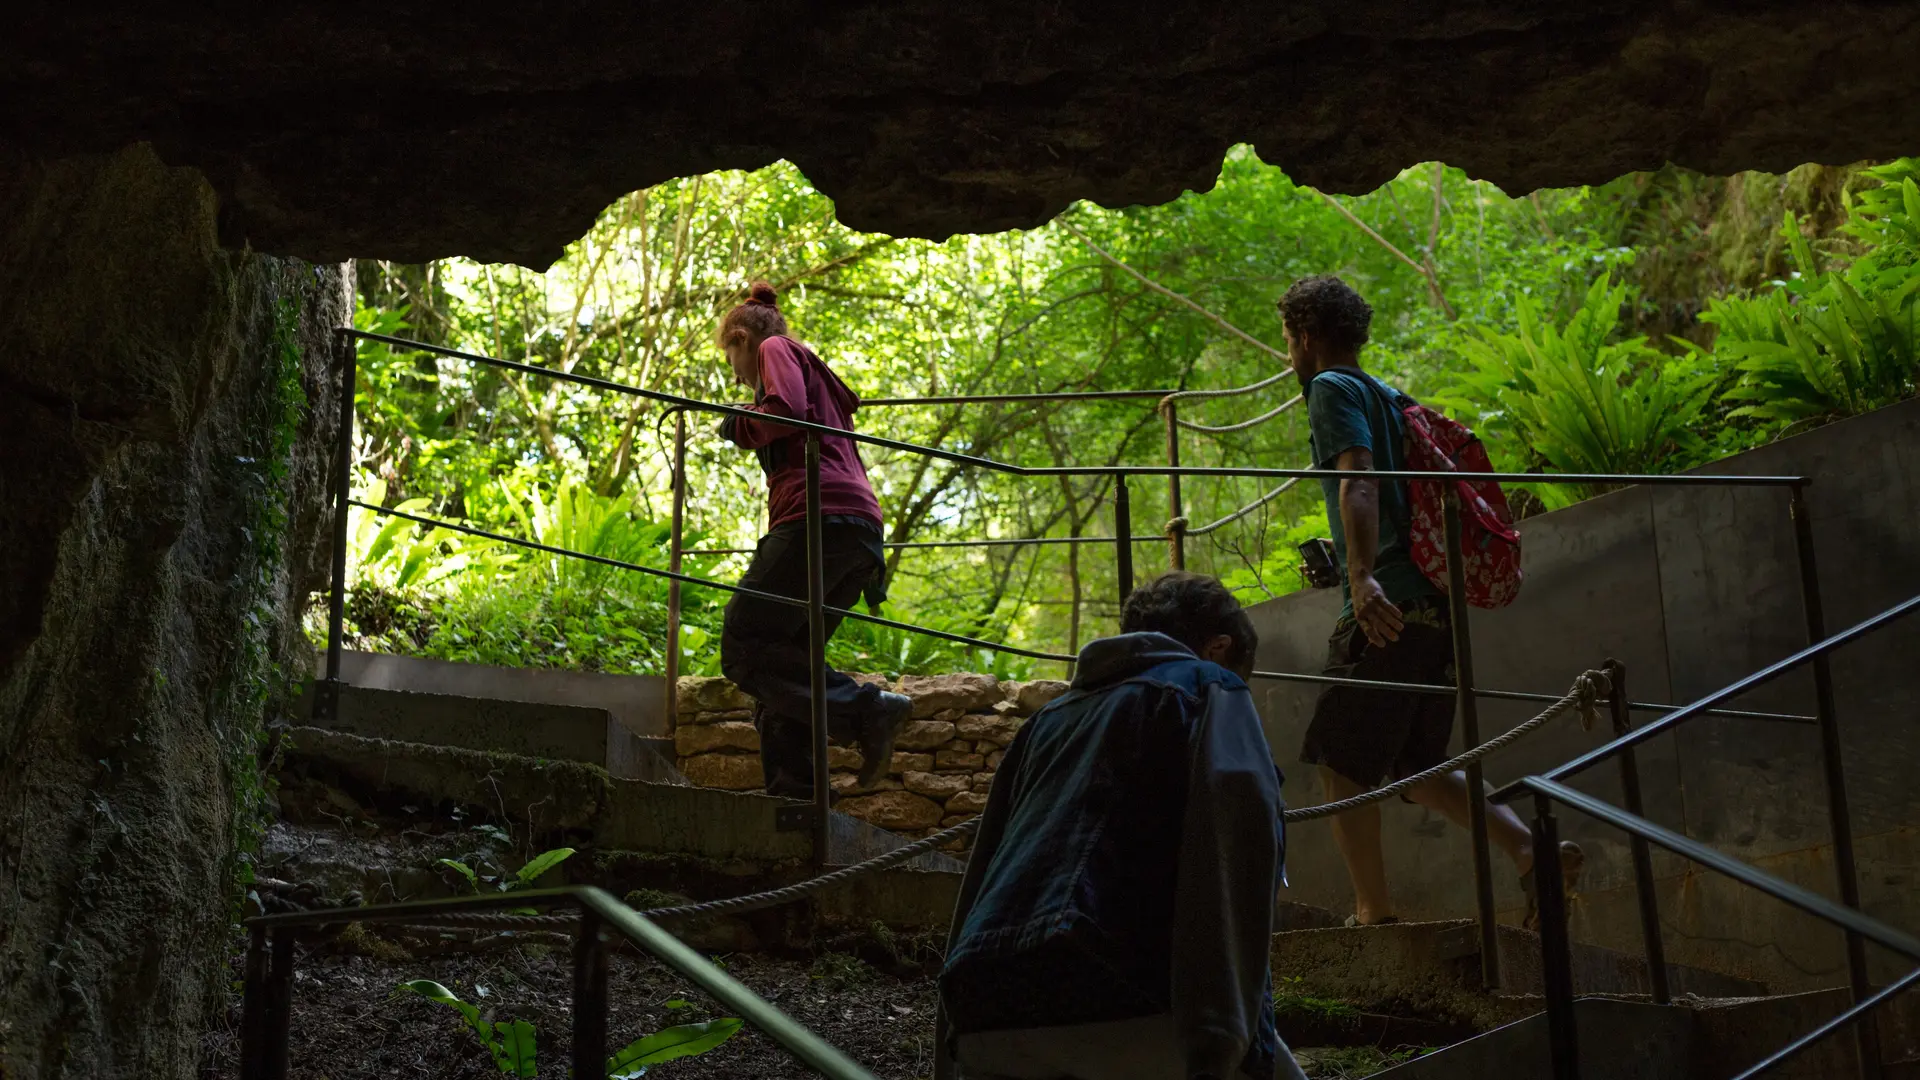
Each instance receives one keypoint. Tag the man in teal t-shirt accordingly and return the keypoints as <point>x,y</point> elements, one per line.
<point>1394,626</point>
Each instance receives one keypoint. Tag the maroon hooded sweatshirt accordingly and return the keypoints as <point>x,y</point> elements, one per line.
<point>795,383</point>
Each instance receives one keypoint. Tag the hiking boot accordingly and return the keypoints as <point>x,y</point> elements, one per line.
<point>891,712</point>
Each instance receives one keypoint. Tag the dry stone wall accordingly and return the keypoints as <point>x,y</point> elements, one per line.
<point>943,761</point>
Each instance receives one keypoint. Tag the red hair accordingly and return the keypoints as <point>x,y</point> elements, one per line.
<point>753,321</point>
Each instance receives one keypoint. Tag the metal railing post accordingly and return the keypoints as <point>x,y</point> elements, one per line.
<point>1839,816</point>
<point>279,1013</point>
<point>1556,949</point>
<point>590,997</point>
<point>1123,536</point>
<point>1176,531</point>
<point>817,650</point>
<point>326,696</point>
<point>253,1007</point>
<point>1469,711</point>
<point>1643,884</point>
<point>673,563</point>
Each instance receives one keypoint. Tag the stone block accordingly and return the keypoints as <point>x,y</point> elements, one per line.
<point>733,772</point>
<point>720,716</point>
<point>994,759</point>
<point>1034,696</point>
<point>841,757</point>
<point>938,786</point>
<point>702,693</point>
<point>847,783</point>
<point>967,802</point>
<point>982,781</point>
<point>959,760</point>
<point>895,810</point>
<point>949,715</point>
<point>924,735</point>
<point>960,746</point>
<point>906,762</point>
<point>963,691</point>
<point>880,681</point>
<point>692,739</point>
<point>1006,708</point>
<point>951,820</point>
<point>997,730</point>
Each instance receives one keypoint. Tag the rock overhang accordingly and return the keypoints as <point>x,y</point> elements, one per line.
<point>500,131</point>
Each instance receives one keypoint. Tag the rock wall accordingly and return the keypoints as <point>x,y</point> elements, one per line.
<point>164,413</point>
<point>943,761</point>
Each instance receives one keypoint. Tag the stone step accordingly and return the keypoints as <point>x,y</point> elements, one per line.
<point>1692,1039</point>
<point>1432,970</point>
<point>733,837</point>
<point>540,730</point>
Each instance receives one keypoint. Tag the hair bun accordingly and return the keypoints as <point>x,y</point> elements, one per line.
<point>762,293</point>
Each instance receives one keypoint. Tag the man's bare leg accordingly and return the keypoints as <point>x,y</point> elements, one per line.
<point>1357,833</point>
<point>1447,795</point>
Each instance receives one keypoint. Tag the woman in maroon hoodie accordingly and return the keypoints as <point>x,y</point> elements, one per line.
<point>763,644</point>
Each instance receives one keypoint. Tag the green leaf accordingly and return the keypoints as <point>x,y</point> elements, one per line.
<point>473,879</point>
<point>542,863</point>
<point>684,1040</point>
<point>514,1051</point>
<point>433,991</point>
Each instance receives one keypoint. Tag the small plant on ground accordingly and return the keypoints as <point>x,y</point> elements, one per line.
<point>840,971</point>
<point>513,1047</point>
<point>522,878</point>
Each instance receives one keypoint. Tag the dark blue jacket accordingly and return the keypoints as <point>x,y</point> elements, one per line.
<point>1127,862</point>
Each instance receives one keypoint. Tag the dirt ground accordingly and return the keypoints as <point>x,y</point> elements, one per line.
<point>349,1023</point>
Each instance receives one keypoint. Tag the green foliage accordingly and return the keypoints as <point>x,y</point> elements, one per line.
<point>841,971</point>
<point>1831,343</point>
<point>684,1040</point>
<point>1506,308</point>
<point>512,1043</point>
<point>1576,400</point>
<point>523,878</point>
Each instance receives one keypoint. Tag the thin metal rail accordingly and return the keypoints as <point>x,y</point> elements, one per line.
<point>1700,707</point>
<point>1666,480</point>
<point>1512,695</point>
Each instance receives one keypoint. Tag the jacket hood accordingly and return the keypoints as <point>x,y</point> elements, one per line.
<point>842,393</point>
<point>1109,660</point>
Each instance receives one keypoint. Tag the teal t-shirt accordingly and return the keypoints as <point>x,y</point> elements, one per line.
<point>1346,408</point>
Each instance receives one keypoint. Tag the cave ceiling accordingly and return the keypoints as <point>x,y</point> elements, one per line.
<point>411,131</point>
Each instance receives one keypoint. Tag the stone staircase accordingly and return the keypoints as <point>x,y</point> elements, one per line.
<point>566,774</point>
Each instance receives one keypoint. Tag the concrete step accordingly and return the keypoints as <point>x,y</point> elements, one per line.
<point>1695,1038</point>
<point>724,843</point>
<point>638,702</point>
<point>538,730</point>
<point>1432,970</point>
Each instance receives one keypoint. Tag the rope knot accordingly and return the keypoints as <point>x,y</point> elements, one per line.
<point>1589,688</point>
<point>1176,526</point>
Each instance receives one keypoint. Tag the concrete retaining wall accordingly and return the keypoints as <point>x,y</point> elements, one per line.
<point>1691,588</point>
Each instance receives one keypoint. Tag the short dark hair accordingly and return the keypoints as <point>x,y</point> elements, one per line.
<point>1329,309</point>
<point>1192,609</point>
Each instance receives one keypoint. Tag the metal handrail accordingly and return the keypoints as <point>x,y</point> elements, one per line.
<point>264,1026</point>
<point>1467,695</point>
<point>1659,479</point>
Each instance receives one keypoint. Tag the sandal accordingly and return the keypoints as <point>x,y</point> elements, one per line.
<point>1572,862</point>
<point>1354,920</point>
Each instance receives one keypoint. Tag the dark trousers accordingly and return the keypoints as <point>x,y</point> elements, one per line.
<point>764,647</point>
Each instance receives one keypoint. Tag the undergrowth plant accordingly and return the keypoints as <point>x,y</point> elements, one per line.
<point>523,878</point>
<point>1575,400</point>
<point>1829,343</point>
<point>513,1044</point>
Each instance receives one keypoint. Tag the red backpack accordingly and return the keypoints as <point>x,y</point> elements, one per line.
<point>1488,540</point>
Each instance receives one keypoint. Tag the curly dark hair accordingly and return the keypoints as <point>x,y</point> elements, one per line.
<point>1191,609</point>
<point>1329,309</point>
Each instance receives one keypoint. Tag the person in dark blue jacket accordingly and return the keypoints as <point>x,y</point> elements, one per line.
<point>1116,914</point>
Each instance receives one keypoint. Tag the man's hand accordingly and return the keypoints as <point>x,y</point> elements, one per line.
<point>1375,614</point>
